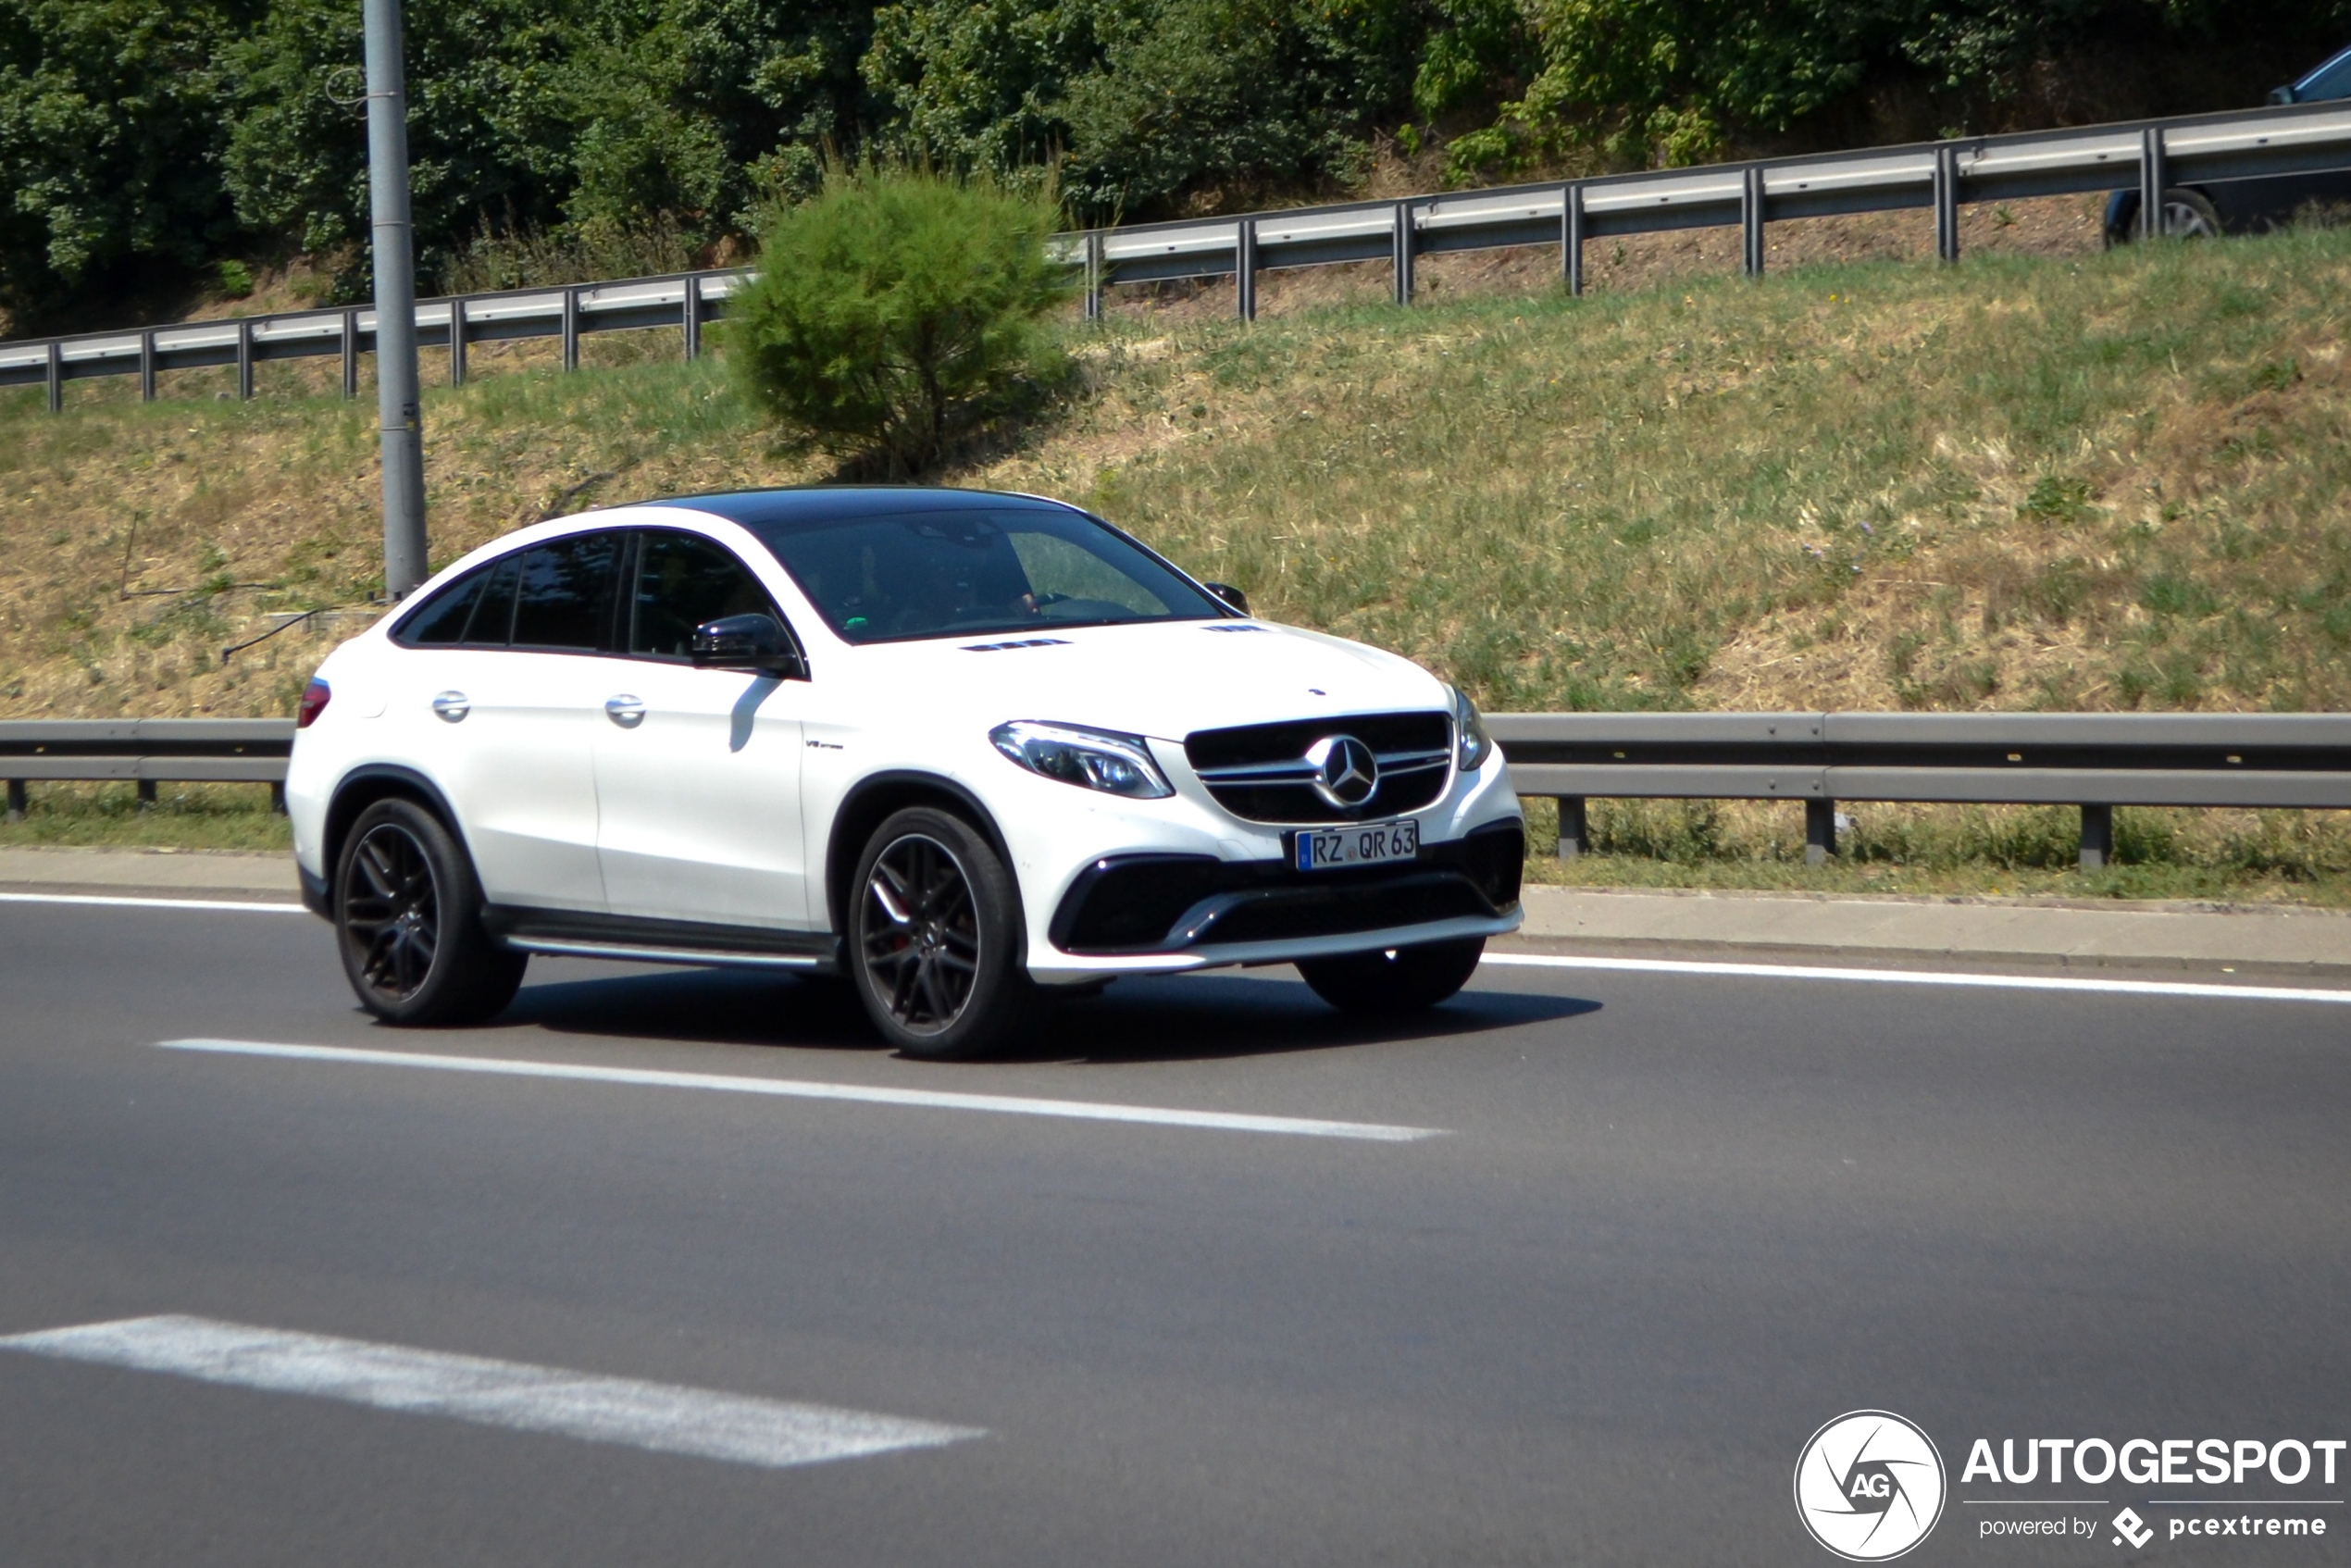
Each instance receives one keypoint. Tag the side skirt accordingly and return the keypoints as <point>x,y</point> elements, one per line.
<point>569,934</point>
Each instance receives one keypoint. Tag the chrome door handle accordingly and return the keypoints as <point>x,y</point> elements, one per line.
<point>625,711</point>
<point>451,706</point>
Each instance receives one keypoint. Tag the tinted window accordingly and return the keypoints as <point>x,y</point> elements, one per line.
<point>951,573</point>
<point>683,581</point>
<point>493,616</point>
<point>564,598</point>
<point>2329,80</point>
<point>442,620</point>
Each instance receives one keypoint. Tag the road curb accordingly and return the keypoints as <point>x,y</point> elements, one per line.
<point>46,868</point>
<point>1812,929</point>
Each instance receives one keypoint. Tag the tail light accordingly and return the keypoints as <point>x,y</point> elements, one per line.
<point>314,703</point>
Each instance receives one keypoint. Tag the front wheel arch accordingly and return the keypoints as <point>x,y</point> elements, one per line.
<point>873,800</point>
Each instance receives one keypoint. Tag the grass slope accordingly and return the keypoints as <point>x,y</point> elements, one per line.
<point>2121,481</point>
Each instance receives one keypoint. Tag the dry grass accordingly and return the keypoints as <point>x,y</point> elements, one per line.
<point>2070,480</point>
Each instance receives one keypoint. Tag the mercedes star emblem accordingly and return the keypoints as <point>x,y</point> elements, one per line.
<point>1345,771</point>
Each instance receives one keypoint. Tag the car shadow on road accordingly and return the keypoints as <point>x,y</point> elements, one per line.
<point>1193,1018</point>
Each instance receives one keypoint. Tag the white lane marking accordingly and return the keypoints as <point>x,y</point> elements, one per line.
<point>801,1089</point>
<point>661,1416</point>
<point>242,908</point>
<point>1923,977</point>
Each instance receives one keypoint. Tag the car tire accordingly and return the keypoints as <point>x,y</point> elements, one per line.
<point>407,917</point>
<point>935,939</point>
<point>1403,979</point>
<point>2187,215</point>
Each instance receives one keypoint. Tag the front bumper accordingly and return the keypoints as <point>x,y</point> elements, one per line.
<point>1125,913</point>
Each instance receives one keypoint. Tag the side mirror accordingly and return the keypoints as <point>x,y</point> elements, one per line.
<point>2282,95</point>
<point>752,642</point>
<point>1231,595</point>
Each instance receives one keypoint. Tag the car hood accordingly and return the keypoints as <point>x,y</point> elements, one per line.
<point>1165,681</point>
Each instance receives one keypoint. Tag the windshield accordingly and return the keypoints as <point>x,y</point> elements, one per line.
<point>982,570</point>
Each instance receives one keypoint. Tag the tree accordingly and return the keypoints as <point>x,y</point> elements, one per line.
<point>895,308</point>
<point>110,133</point>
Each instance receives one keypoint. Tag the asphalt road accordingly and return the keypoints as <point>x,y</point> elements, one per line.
<point>1673,1224</point>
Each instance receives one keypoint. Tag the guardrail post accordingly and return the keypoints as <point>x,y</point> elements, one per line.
<point>16,800</point>
<point>1571,236</point>
<point>147,365</point>
<point>1947,202</point>
<point>457,342</point>
<point>56,376</point>
<point>2097,837</point>
<point>1820,831</point>
<point>1751,221</point>
<point>1402,246</point>
<point>2151,177</point>
<point>1575,830</point>
<point>349,355</point>
<point>1245,268</point>
<point>146,794</point>
<point>278,796</point>
<point>1094,274</point>
<point>245,358</point>
<point>571,328</point>
<point>690,317</point>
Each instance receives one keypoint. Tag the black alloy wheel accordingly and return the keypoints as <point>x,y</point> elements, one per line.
<point>391,911</point>
<point>1402,979</point>
<point>935,937</point>
<point>408,919</point>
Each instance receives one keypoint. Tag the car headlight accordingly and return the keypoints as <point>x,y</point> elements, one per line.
<point>1093,759</point>
<point>1469,732</point>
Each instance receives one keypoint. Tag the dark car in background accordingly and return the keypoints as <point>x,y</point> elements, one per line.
<point>2241,206</point>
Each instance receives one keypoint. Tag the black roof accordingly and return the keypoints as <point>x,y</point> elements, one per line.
<point>827,504</point>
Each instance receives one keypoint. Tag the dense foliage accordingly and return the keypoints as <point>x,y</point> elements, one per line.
<point>895,308</point>
<point>142,140</point>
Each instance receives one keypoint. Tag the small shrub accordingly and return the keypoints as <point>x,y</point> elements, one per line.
<point>897,309</point>
<point>2054,498</point>
<point>236,280</point>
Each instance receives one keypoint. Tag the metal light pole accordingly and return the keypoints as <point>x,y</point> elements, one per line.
<point>397,396</point>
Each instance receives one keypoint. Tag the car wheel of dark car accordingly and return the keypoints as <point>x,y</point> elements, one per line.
<point>934,938</point>
<point>408,913</point>
<point>2187,215</point>
<point>1403,979</point>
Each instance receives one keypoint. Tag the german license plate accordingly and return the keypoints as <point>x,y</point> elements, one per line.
<point>1364,843</point>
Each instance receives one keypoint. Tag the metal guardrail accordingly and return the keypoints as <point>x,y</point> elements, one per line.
<point>2152,155</point>
<point>2093,761</point>
<point>687,301</point>
<point>234,751</point>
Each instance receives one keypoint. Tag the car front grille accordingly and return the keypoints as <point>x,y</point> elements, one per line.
<point>1260,771</point>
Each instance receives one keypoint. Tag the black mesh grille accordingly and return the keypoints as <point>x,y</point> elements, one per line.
<point>1258,745</point>
<point>1133,904</point>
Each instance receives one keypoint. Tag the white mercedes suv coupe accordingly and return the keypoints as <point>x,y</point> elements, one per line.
<point>967,750</point>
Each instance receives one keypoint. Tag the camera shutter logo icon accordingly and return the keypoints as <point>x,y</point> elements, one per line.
<point>1869,1486</point>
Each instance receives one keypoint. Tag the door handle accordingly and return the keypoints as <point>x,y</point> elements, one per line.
<point>625,711</point>
<point>453,706</point>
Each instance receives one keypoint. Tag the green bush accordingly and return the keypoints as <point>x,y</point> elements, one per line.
<point>897,309</point>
